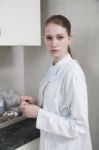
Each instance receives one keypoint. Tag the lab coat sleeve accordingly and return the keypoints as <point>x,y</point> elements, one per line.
<point>77,123</point>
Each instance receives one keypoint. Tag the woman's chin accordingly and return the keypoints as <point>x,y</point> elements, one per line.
<point>55,55</point>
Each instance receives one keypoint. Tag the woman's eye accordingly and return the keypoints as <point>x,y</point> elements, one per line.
<point>60,37</point>
<point>49,38</point>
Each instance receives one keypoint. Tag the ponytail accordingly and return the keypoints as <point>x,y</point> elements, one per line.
<point>69,51</point>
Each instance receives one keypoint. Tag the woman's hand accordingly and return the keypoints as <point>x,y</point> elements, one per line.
<point>28,100</point>
<point>29,110</point>
<point>29,106</point>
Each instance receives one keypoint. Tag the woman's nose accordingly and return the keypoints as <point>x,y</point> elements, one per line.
<point>54,42</point>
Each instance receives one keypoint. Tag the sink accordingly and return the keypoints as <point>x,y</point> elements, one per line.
<point>9,120</point>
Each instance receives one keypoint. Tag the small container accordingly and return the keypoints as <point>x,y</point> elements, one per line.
<point>10,113</point>
<point>2,107</point>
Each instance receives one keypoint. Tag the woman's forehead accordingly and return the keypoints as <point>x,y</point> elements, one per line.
<point>53,28</point>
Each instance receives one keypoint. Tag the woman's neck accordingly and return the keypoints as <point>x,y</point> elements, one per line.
<point>56,60</point>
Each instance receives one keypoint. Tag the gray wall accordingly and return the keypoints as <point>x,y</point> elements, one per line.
<point>11,69</point>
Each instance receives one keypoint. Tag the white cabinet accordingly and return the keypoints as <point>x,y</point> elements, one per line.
<point>20,22</point>
<point>33,145</point>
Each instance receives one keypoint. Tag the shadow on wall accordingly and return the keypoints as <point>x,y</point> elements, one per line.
<point>6,56</point>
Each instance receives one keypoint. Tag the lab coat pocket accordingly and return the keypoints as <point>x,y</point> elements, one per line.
<point>64,108</point>
<point>64,111</point>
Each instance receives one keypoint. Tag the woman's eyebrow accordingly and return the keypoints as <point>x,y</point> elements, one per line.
<point>52,35</point>
<point>60,34</point>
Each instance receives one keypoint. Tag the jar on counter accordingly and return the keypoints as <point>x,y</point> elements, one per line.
<point>2,106</point>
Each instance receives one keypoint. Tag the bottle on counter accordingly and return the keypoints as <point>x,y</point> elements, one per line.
<point>2,105</point>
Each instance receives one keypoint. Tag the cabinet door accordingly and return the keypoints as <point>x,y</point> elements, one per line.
<point>33,145</point>
<point>20,22</point>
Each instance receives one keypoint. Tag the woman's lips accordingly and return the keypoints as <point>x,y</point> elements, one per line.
<point>54,50</point>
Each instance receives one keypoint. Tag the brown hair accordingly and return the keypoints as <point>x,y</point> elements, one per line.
<point>62,21</point>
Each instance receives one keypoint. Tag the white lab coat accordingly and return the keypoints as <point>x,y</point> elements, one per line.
<point>63,120</point>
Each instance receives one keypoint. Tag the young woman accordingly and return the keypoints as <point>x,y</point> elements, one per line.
<point>62,110</point>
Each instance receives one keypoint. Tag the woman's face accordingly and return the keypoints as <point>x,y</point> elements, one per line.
<point>57,41</point>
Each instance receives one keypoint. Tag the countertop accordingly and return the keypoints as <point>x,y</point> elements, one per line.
<point>18,134</point>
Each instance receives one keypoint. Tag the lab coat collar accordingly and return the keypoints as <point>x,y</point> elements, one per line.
<point>63,60</point>
<point>54,70</point>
